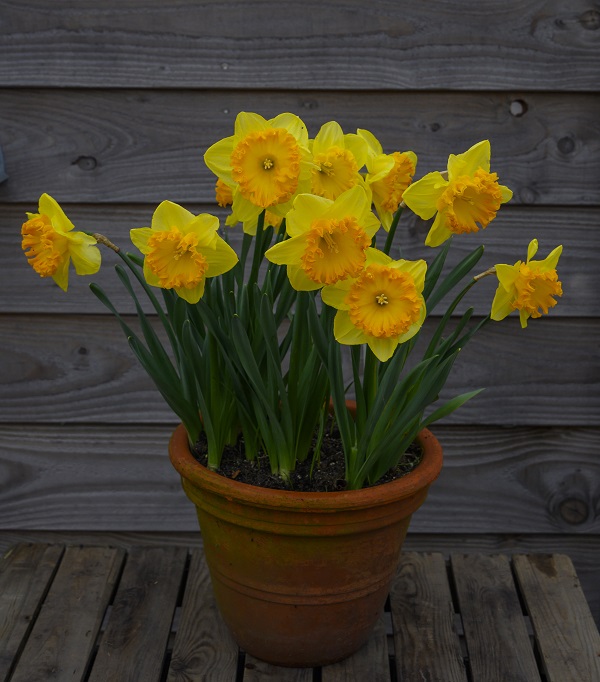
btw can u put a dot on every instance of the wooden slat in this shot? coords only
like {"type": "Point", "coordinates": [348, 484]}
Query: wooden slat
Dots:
{"type": "Point", "coordinates": [495, 631]}
{"type": "Point", "coordinates": [259, 671]}
{"type": "Point", "coordinates": [371, 662]}
{"type": "Point", "coordinates": [204, 650]}
{"type": "Point", "coordinates": [563, 625]}
{"type": "Point", "coordinates": [64, 633]}
{"type": "Point", "coordinates": [86, 364]}
{"type": "Point", "coordinates": [494, 480]}
{"type": "Point", "coordinates": [135, 641]}
{"type": "Point", "coordinates": [426, 643]}
{"type": "Point", "coordinates": [126, 146]}
{"type": "Point", "coordinates": [505, 241]}
{"type": "Point", "coordinates": [536, 45]}
{"type": "Point", "coordinates": [583, 549]}
{"type": "Point", "coordinates": [25, 574]}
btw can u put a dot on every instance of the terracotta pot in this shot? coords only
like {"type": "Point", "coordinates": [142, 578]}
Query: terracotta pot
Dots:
{"type": "Point", "coordinates": [301, 578]}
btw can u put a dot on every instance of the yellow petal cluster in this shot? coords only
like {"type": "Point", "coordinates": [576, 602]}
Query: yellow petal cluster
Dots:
{"type": "Point", "coordinates": [466, 199]}
{"type": "Point", "coordinates": [528, 287]}
{"type": "Point", "coordinates": [50, 243]}
{"type": "Point", "coordinates": [382, 307]}
{"type": "Point", "coordinates": [328, 239]}
{"type": "Point", "coordinates": [181, 250]}
{"type": "Point", "coordinates": [265, 163]}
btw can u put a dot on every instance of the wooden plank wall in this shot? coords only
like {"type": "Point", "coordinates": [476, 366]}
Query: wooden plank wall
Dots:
{"type": "Point", "coordinates": [109, 107]}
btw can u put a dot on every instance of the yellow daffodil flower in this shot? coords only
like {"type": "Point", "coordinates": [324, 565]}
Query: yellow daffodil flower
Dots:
{"type": "Point", "coordinates": [465, 201]}
{"type": "Point", "coordinates": [265, 163]}
{"type": "Point", "coordinates": [382, 307]}
{"type": "Point", "coordinates": [181, 250]}
{"type": "Point", "coordinates": [50, 242]}
{"type": "Point", "coordinates": [328, 239]}
{"type": "Point", "coordinates": [527, 287]}
{"type": "Point", "coordinates": [223, 194]}
{"type": "Point", "coordinates": [388, 177]}
{"type": "Point", "coordinates": [337, 159]}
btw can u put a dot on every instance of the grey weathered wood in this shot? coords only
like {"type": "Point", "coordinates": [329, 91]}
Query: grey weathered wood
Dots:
{"type": "Point", "coordinates": [495, 631]}
{"type": "Point", "coordinates": [563, 625]}
{"type": "Point", "coordinates": [256, 670]}
{"type": "Point", "coordinates": [86, 364]}
{"type": "Point", "coordinates": [505, 241]}
{"type": "Point", "coordinates": [371, 662]}
{"type": "Point", "coordinates": [497, 480]}
{"type": "Point", "coordinates": [204, 650]}
{"type": "Point", "coordinates": [426, 643]}
{"type": "Point", "coordinates": [537, 45]}
{"type": "Point", "coordinates": [25, 574]}
{"type": "Point", "coordinates": [124, 146]}
{"type": "Point", "coordinates": [134, 643]}
{"type": "Point", "coordinates": [63, 636]}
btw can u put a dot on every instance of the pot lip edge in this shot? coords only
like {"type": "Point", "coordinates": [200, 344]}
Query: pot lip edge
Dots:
{"type": "Point", "coordinates": [378, 495]}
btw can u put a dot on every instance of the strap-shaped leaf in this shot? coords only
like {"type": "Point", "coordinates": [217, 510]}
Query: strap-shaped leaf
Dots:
{"type": "Point", "coordinates": [454, 277]}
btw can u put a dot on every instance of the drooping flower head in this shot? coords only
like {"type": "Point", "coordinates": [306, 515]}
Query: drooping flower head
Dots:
{"type": "Point", "coordinates": [264, 163]}
{"type": "Point", "coordinates": [527, 287]}
{"type": "Point", "coordinates": [388, 177]}
{"type": "Point", "coordinates": [383, 306]}
{"type": "Point", "coordinates": [181, 250]}
{"type": "Point", "coordinates": [328, 239]}
{"type": "Point", "coordinates": [464, 201]}
{"type": "Point", "coordinates": [50, 243]}
{"type": "Point", "coordinates": [337, 159]}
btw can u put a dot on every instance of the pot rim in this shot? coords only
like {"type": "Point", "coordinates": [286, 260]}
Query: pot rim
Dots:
{"type": "Point", "coordinates": [198, 475]}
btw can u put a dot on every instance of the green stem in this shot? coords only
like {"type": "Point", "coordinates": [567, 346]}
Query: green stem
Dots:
{"type": "Point", "coordinates": [258, 249]}
{"type": "Point", "coordinates": [392, 232]}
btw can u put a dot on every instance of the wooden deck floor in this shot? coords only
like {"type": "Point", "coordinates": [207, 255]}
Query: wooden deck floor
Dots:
{"type": "Point", "coordinates": [104, 613]}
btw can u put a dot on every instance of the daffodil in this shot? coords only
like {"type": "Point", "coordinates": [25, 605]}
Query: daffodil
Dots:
{"type": "Point", "coordinates": [223, 194]}
{"type": "Point", "coordinates": [527, 287]}
{"type": "Point", "coordinates": [465, 201]}
{"type": "Point", "coordinates": [181, 250]}
{"type": "Point", "coordinates": [388, 176]}
{"type": "Point", "coordinates": [50, 243]}
{"type": "Point", "coordinates": [337, 159]}
{"type": "Point", "coordinates": [328, 239]}
{"type": "Point", "coordinates": [265, 163]}
{"type": "Point", "coordinates": [383, 306]}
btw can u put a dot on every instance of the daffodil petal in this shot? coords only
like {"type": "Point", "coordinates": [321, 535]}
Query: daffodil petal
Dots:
{"type": "Point", "coordinates": [149, 276]}
{"type": "Point", "coordinates": [293, 124]}
{"type": "Point", "coordinates": [287, 252]}
{"type": "Point", "coordinates": [330, 135]}
{"type": "Point", "coordinates": [299, 279]}
{"type": "Point", "coordinates": [61, 276]}
{"type": "Point", "coordinates": [523, 317]}
{"type": "Point", "coordinates": [345, 332]}
{"type": "Point", "coordinates": [248, 122]}
{"type": "Point", "coordinates": [218, 158]}
{"type": "Point", "coordinates": [507, 274]}
{"type": "Point", "coordinates": [85, 254]}
{"type": "Point", "coordinates": [383, 348]}
{"type": "Point", "coordinates": [168, 214]}
{"type": "Point", "coordinates": [421, 196]}
{"type": "Point", "coordinates": [192, 295]}
{"type": "Point", "coordinates": [373, 143]}
{"type": "Point", "coordinates": [221, 259]}
{"type": "Point", "coordinates": [139, 237]}
{"type": "Point", "coordinates": [358, 148]}
{"type": "Point", "coordinates": [50, 207]}
{"type": "Point", "coordinates": [377, 256]}
{"type": "Point", "coordinates": [415, 268]}
{"type": "Point", "coordinates": [334, 295]}
{"type": "Point", "coordinates": [551, 260]}
{"type": "Point", "coordinates": [307, 208]}
{"type": "Point", "coordinates": [205, 227]}
{"type": "Point", "coordinates": [353, 202]}
{"type": "Point", "coordinates": [439, 232]}
{"type": "Point", "coordinates": [502, 304]}
{"type": "Point", "coordinates": [507, 194]}
{"type": "Point", "coordinates": [478, 156]}
{"type": "Point", "coordinates": [532, 249]}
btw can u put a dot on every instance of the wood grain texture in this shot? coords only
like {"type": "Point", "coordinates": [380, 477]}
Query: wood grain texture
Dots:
{"type": "Point", "coordinates": [135, 640]}
{"type": "Point", "coordinates": [111, 146]}
{"type": "Point", "coordinates": [494, 480]}
{"type": "Point", "coordinates": [423, 621]}
{"type": "Point", "coordinates": [256, 670]}
{"type": "Point", "coordinates": [505, 241]}
{"type": "Point", "coordinates": [583, 550]}
{"type": "Point", "coordinates": [495, 631]}
{"type": "Point", "coordinates": [25, 575]}
{"type": "Point", "coordinates": [336, 45]}
{"type": "Point", "coordinates": [60, 649]}
{"type": "Point", "coordinates": [371, 662]}
{"type": "Point", "coordinates": [564, 629]}
{"type": "Point", "coordinates": [84, 362]}
{"type": "Point", "coordinates": [204, 650]}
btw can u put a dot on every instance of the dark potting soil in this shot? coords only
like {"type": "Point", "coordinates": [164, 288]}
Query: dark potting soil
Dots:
{"type": "Point", "coordinates": [327, 473]}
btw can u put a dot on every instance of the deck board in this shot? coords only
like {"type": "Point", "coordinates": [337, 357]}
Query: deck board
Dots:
{"type": "Point", "coordinates": [491, 611]}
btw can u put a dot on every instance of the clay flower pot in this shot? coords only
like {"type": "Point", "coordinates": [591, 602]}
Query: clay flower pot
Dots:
{"type": "Point", "coordinates": [301, 578]}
